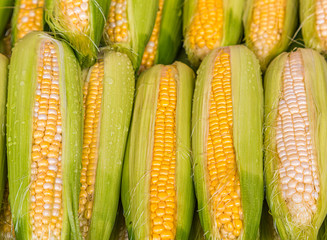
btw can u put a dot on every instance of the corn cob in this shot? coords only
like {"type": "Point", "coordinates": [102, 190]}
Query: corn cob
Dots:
{"type": "Point", "coordinates": [267, 227]}
{"type": "Point", "coordinates": [209, 24]}
{"type": "Point", "coordinates": [3, 98]}
{"type": "Point", "coordinates": [129, 26]}
{"type": "Point", "coordinates": [28, 17]}
{"type": "Point", "coordinates": [313, 16]}
{"type": "Point", "coordinates": [269, 27]}
{"type": "Point", "coordinates": [108, 108]}
{"type": "Point", "coordinates": [295, 132]}
{"type": "Point", "coordinates": [6, 226]}
{"type": "Point", "coordinates": [44, 138]}
{"type": "Point", "coordinates": [5, 13]}
{"type": "Point", "coordinates": [165, 40]}
{"type": "Point", "coordinates": [157, 190]}
{"type": "Point", "coordinates": [81, 23]}
{"type": "Point", "coordinates": [227, 142]}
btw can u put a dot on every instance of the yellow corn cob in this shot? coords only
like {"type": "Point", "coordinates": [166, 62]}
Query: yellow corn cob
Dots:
{"type": "Point", "coordinates": [6, 227]}
{"type": "Point", "coordinates": [108, 102]}
{"type": "Point", "coordinates": [79, 22]}
{"type": "Point", "coordinates": [47, 103]}
{"type": "Point", "coordinates": [269, 26]}
{"type": "Point", "coordinates": [228, 83]}
{"type": "Point", "coordinates": [143, 29]}
{"type": "Point", "coordinates": [159, 188]}
{"type": "Point", "coordinates": [296, 96]}
{"type": "Point", "coordinates": [209, 24]}
{"type": "Point", "coordinates": [28, 17]}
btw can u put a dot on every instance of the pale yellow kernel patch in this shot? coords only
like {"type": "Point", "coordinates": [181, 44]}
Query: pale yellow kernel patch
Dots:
{"type": "Point", "coordinates": [266, 25]}
{"type": "Point", "coordinates": [117, 27]}
{"type": "Point", "coordinates": [76, 13]}
{"type": "Point", "coordinates": [92, 106]}
{"type": "Point", "coordinates": [321, 21]}
{"type": "Point", "coordinates": [222, 170]}
{"type": "Point", "coordinates": [30, 17]}
{"type": "Point", "coordinates": [162, 186]}
{"type": "Point", "coordinates": [6, 225]}
{"type": "Point", "coordinates": [46, 210]}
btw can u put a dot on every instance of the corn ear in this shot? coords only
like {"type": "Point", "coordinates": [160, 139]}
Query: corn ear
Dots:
{"type": "Point", "coordinates": [298, 212]}
{"type": "Point", "coordinates": [165, 40]}
{"type": "Point", "coordinates": [36, 52]}
{"type": "Point", "coordinates": [106, 127]}
{"type": "Point", "coordinates": [27, 17]}
{"type": "Point", "coordinates": [6, 7]}
{"type": "Point", "coordinates": [312, 17]}
{"type": "Point", "coordinates": [236, 69]}
{"type": "Point", "coordinates": [144, 164]}
{"type": "Point", "coordinates": [224, 29]}
{"type": "Point", "coordinates": [85, 33]}
{"type": "Point", "coordinates": [139, 17]}
{"type": "Point", "coordinates": [269, 27]}
{"type": "Point", "coordinates": [3, 99]}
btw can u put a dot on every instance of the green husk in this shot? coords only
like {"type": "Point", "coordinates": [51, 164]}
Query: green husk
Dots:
{"type": "Point", "coordinates": [247, 99]}
{"type": "Point", "coordinates": [138, 158]}
{"type": "Point", "coordinates": [3, 99]}
{"type": "Point", "coordinates": [6, 7]}
{"type": "Point", "coordinates": [116, 111]}
{"type": "Point", "coordinates": [141, 16]}
{"type": "Point", "coordinates": [85, 43]}
{"type": "Point", "coordinates": [21, 94]}
{"type": "Point", "coordinates": [315, 75]}
{"type": "Point", "coordinates": [308, 23]}
{"type": "Point", "coordinates": [289, 27]}
{"type": "Point", "coordinates": [267, 227]}
{"type": "Point", "coordinates": [170, 38]}
{"type": "Point", "coordinates": [14, 21]}
{"type": "Point", "coordinates": [232, 29]}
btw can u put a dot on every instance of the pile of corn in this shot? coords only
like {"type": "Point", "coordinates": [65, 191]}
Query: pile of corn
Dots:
{"type": "Point", "coordinates": [163, 119]}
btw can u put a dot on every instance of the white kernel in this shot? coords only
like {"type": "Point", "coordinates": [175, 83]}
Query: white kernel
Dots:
{"type": "Point", "coordinates": [295, 163]}
{"type": "Point", "coordinates": [292, 183]}
{"type": "Point", "coordinates": [307, 179]}
{"type": "Point", "coordinates": [59, 129]}
{"type": "Point", "coordinates": [297, 197]}
{"type": "Point", "coordinates": [57, 137]}
{"type": "Point", "coordinates": [299, 177]}
{"type": "Point", "coordinates": [285, 180]}
{"type": "Point", "coordinates": [46, 213]}
{"type": "Point", "coordinates": [53, 168]}
{"type": "Point", "coordinates": [55, 213]}
{"type": "Point", "coordinates": [52, 161]}
{"type": "Point", "coordinates": [77, 10]}
{"type": "Point", "coordinates": [58, 180]}
{"type": "Point", "coordinates": [300, 187]}
{"type": "Point", "coordinates": [33, 199]}
{"type": "Point", "coordinates": [25, 19]}
{"type": "Point", "coordinates": [47, 206]}
{"type": "Point", "coordinates": [46, 76]}
{"type": "Point", "coordinates": [42, 117]}
{"type": "Point", "coordinates": [299, 169]}
{"type": "Point", "coordinates": [84, 6]}
{"type": "Point", "coordinates": [290, 192]}
{"type": "Point", "coordinates": [48, 185]}
{"type": "Point", "coordinates": [291, 173]}
{"type": "Point", "coordinates": [58, 187]}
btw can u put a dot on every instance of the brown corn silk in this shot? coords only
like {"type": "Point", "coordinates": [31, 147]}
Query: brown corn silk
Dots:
{"type": "Point", "coordinates": [299, 177]}
{"type": "Point", "coordinates": [221, 164]}
{"type": "Point", "coordinates": [151, 48]}
{"type": "Point", "coordinates": [46, 173]}
{"type": "Point", "coordinates": [76, 13]}
{"type": "Point", "coordinates": [92, 102]}
{"type": "Point", "coordinates": [205, 31]}
{"type": "Point", "coordinates": [117, 27]}
{"type": "Point", "coordinates": [30, 17]}
{"type": "Point", "coordinates": [162, 186]}
{"type": "Point", "coordinates": [6, 226]}
{"type": "Point", "coordinates": [267, 25]}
